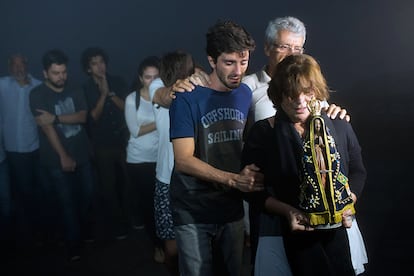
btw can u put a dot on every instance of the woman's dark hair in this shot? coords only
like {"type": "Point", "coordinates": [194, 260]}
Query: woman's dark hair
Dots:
{"type": "Point", "coordinates": [150, 61]}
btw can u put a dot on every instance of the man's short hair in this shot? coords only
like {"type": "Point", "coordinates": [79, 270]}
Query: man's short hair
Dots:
{"type": "Point", "coordinates": [289, 23]}
{"type": "Point", "coordinates": [90, 53]}
{"type": "Point", "coordinates": [54, 56]}
{"type": "Point", "coordinates": [228, 37]}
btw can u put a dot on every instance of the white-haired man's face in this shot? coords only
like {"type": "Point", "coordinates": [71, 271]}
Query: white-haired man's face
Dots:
{"type": "Point", "coordinates": [286, 44]}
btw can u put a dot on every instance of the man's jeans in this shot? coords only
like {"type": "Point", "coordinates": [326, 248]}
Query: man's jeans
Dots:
{"type": "Point", "coordinates": [111, 187]}
{"type": "Point", "coordinates": [5, 202]}
{"type": "Point", "coordinates": [26, 191]}
{"type": "Point", "coordinates": [72, 192]}
{"type": "Point", "coordinates": [210, 249]}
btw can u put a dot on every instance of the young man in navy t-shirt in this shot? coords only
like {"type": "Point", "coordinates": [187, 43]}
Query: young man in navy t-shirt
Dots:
{"type": "Point", "coordinates": [206, 131]}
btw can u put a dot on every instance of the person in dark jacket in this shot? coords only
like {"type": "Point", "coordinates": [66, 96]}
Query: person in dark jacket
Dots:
{"type": "Point", "coordinates": [313, 213]}
{"type": "Point", "coordinates": [105, 95]}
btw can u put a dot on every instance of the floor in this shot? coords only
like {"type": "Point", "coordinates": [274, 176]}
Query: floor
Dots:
{"type": "Point", "coordinates": [384, 217]}
{"type": "Point", "coordinates": [131, 256]}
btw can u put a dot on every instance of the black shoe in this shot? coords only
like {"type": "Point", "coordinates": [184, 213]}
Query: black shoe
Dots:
{"type": "Point", "coordinates": [89, 238]}
{"type": "Point", "coordinates": [121, 233]}
{"type": "Point", "coordinates": [74, 250]}
{"type": "Point", "coordinates": [121, 236]}
{"type": "Point", "coordinates": [74, 258]}
{"type": "Point", "coordinates": [138, 227]}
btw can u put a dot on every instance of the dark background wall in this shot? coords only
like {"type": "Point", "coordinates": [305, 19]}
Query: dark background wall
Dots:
{"type": "Point", "coordinates": [364, 48]}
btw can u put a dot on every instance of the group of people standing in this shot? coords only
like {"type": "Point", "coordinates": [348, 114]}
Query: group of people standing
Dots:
{"type": "Point", "coordinates": [68, 157]}
{"type": "Point", "coordinates": [193, 148]}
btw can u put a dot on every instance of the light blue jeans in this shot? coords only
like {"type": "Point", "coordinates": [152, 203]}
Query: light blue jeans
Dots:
{"type": "Point", "coordinates": [271, 257]}
{"type": "Point", "coordinates": [210, 249]}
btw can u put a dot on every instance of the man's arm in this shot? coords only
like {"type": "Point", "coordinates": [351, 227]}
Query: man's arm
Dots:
{"type": "Point", "coordinates": [162, 97]}
{"type": "Point", "coordinates": [103, 87]}
{"type": "Point", "coordinates": [74, 118]}
{"type": "Point", "coordinates": [188, 84]}
{"type": "Point", "coordinates": [66, 162]}
{"type": "Point", "coordinates": [248, 180]}
{"type": "Point", "coordinates": [105, 92]}
{"type": "Point", "coordinates": [96, 112]}
{"type": "Point", "coordinates": [120, 103]}
{"type": "Point", "coordinates": [119, 93]}
{"type": "Point", "coordinates": [45, 118]}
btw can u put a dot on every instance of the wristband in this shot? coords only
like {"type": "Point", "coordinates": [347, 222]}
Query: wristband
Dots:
{"type": "Point", "coordinates": [56, 120]}
{"type": "Point", "coordinates": [111, 94]}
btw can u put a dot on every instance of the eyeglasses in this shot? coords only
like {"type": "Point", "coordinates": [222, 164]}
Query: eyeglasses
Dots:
{"type": "Point", "coordinates": [284, 48]}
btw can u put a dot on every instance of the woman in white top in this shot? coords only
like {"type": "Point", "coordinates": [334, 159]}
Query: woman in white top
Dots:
{"type": "Point", "coordinates": [142, 149]}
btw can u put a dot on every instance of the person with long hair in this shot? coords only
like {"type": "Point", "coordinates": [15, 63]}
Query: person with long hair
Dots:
{"type": "Point", "coordinates": [174, 65]}
{"type": "Point", "coordinates": [142, 149]}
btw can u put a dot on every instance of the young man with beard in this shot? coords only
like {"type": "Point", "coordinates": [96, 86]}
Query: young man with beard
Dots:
{"type": "Point", "coordinates": [60, 112]}
{"type": "Point", "coordinates": [206, 133]}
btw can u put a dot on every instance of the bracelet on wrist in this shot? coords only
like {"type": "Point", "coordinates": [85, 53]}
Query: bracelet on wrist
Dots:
{"type": "Point", "coordinates": [56, 120]}
{"type": "Point", "coordinates": [111, 94]}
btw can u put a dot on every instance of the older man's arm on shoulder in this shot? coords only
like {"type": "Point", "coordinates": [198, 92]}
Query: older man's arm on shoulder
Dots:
{"type": "Point", "coordinates": [159, 93]}
{"type": "Point", "coordinates": [188, 84]}
{"type": "Point", "coordinates": [333, 110]}
{"type": "Point", "coordinates": [162, 97]}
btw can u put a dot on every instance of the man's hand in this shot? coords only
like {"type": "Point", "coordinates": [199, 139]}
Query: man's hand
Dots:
{"type": "Point", "coordinates": [188, 84]}
{"type": "Point", "coordinates": [333, 110]}
{"type": "Point", "coordinates": [44, 118]}
{"type": "Point", "coordinates": [200, 78]}
{"type": "Point", "coordinates": [67, 163]}
{"type": "Point", "coordinates": [103, 86]}
{"type": "Point", "coordinates": [248, 180]}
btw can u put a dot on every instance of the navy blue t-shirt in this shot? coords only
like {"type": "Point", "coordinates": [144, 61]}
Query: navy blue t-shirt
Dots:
{"type": "Point", "coordinates": [216, 121]}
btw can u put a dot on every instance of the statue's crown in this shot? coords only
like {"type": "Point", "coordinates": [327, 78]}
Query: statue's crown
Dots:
{"type": "Point", "coordinates": [314, 107]}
